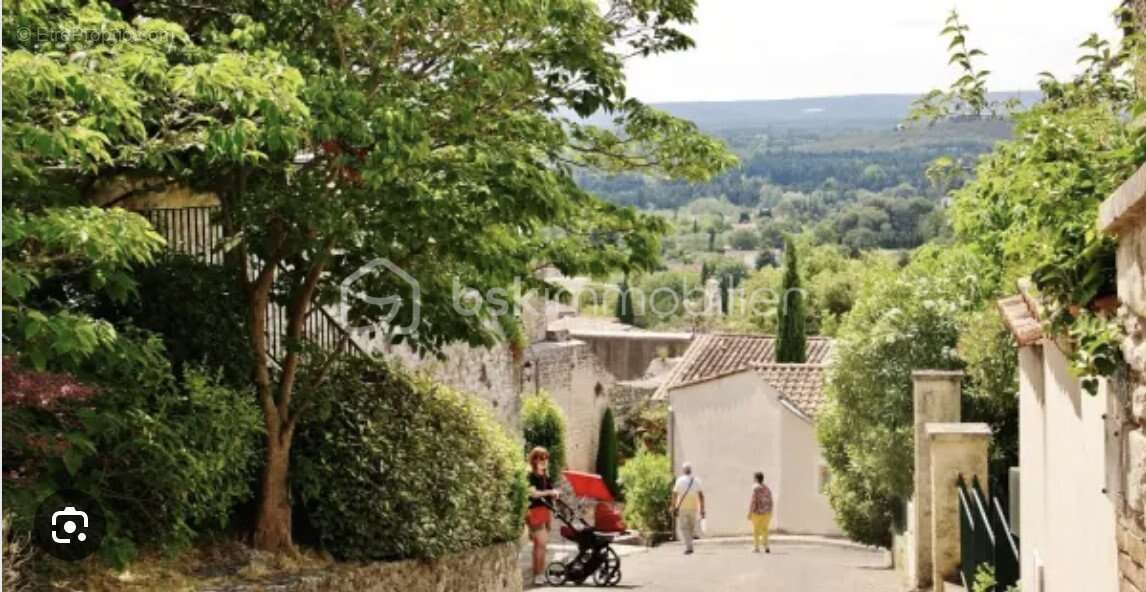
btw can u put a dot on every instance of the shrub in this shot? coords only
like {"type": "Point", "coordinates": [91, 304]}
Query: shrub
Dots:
{"type": "Point", "coordinates": [645, 426]}
{"type": "Point", "coordinates": [167, 458]}
{"type": "Point", "coordinates": [391, 465]}
{"type": "Point", "coordinates": [647, 480]}
{"type": "Point", "coordinates": [607, 452]}
{"type": "Point", "coordinates": [198, 310]}
{"type": "Point", "coordinates": [543, 424]}
{"type": "Point", "coordinates": [745, 240]}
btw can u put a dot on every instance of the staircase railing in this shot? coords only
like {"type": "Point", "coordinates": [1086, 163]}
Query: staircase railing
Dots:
{"type": "Point", "coordinates": [192, 231]}
{"type": "Point", "coordinates": [985, 537]}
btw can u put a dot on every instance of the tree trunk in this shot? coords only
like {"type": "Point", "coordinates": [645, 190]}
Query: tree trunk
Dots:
{"type": "Point", "coordinates": [273, 526]}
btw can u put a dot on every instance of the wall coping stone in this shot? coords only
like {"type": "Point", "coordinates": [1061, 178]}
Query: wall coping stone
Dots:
{"type": "Point", "coordinates": [956, 430]}
{"type": "Point", "coordinates": [1125, 206]}
{"type": "Point", "coordinates": [936, 374]}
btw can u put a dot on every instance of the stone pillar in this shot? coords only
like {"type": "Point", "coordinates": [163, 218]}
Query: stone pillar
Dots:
{"type": "Point", "coordinates": [936, 394]}
{"type": "Point", "coordinates": [956, 449]}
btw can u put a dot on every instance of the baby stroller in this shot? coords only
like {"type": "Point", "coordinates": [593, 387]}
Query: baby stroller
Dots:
{"type": "Point", "coordinates": [595, 556]}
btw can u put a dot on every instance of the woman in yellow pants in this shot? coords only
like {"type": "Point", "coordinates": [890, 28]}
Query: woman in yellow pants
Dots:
{"type": "Point", "coordinates": [760, 513]}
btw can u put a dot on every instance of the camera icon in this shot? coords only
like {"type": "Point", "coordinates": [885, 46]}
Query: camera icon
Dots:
{"type": "Point", "coordinates": [66, 520]}
{"type": "Point", "coordinates": [69, 525]}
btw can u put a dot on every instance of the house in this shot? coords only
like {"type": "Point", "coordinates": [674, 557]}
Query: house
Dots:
{"type": "Point", "coordinates": [733, 411]}
{"type": "Point", "coordinates": [1082, 457]}
{"type": "Point", "coordinates": [1064, 447]}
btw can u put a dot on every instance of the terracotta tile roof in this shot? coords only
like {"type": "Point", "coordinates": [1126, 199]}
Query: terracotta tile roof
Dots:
{"type": "Point", "coordinates": [1019, 315]}
{"type": "Point", "coordinates": [802, 385]}
{"type": "Point", "coordinates": [715, 355]}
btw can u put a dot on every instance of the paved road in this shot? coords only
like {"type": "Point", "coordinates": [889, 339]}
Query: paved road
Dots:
{"type": "Point", "coordinates": [796, 566]}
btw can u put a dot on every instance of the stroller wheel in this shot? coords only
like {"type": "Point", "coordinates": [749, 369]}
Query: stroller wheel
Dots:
{"type": "Point", "coordinates": [609, 574]}
{"type": "Point", "coordinates": [555, 574]}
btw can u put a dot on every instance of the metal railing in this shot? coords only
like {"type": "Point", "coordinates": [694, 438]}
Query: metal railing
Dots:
{"type": "Point", "coordinates": [194, 232]}
{"type": "Point", "coordinates": [985, 537]}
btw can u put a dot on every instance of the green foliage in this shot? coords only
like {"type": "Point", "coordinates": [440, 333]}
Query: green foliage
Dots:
{"type": "Point", "coordinates": [967, 96]}
{"type": "Point", "coordinates": [1033, 203]}
{"type": "Point", "coordinates": [607, 455]}
{"type": "Point", "coordinates": [831, 279]}
{"type": "Point", "coordinates": [791, 345]}
{"type": "Point", "coordinates": [394, 466]}
{"type": "Point", "coordinates": [744, 240]}
{"type": "Point", "coordinates": [439, 135]}
{"type": "Point", "coordinates": [167, 458]}
{"type": "Point", "coordinates": [902, 321]}
{"type": "Point", "coordinates": [543, 424]}
{"type": "Point", "coordinates": [79, 250]}
{"type": "Point", "coordinates": [647, 480]}
{"type": "Point", "coordinates": [645, 428]}
{"type": "Point", "coordinates": [667, 298]}
{"type": "Point", "coordinates": [209, 329]}
{"type": "Point", "coordinates": [984, 579]}
{"type": "Point", "coordinates": [987, 347]}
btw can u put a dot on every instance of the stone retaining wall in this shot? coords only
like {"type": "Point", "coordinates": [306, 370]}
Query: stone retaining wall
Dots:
{"type": "Point", "coordinates": [1124, 216]}
{"type": "Point", "coordinates": [491, 569]}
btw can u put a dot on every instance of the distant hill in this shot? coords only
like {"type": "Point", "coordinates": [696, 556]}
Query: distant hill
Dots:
{"type": "Point", "coordinates": [854, 111]}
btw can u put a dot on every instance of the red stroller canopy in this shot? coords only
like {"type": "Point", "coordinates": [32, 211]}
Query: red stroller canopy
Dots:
{"type": "Point", "coordinates": [588, 485]}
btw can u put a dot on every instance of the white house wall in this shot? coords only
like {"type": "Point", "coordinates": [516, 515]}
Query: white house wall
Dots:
{"type": "Point", "coordinates": [731, 427]}
{"type": "Point", "coordinates": [801, 507]}
{"type": "Point", "coordinates": [1067, 524]}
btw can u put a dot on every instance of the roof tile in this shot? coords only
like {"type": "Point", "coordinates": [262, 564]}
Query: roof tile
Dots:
{"type": "Point", "coordinates": [714, 355]}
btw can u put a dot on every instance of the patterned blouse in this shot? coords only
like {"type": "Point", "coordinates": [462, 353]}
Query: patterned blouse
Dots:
{"type": "Point", "coordinates": [761, 499]}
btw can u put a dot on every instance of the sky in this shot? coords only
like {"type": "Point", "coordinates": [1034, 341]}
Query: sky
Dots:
{"type": "Point", "coordinates": [777, 49]}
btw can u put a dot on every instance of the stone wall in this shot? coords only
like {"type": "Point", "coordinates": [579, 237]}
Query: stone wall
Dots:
{"type": "Point", "coordinates": [1124, 216]}
{"type": "Point", "coordinates": [491, 569]}
{"type": "Point", "coordinates": [626, 397]}
{"type": "Point", "coordinates": [579, 384]}
{"type": "Point", "coordinates": [626, 354]}
{"type": "Point", "coordinates": [490, 374]}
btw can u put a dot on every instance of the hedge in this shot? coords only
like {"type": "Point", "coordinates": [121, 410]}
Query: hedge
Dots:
{"type": "Point", "coordinates": [390, 465]}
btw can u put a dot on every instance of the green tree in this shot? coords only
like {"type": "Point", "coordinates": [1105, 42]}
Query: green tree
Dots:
{"type": "Point", "coordinates": [903, 320]}
{"type": "Point", "coordinates": [791, 342]}
{"type": "Point", "coordinates": [744, 240]}
{"type": "Point", "coordinates": [1032, 204]}
{"type": "Point", "coordinates": [433, 134]}
{"type": "Point", "coordinates": [607, 452]}
{"type": "Point", "coordinates": [543, 424]}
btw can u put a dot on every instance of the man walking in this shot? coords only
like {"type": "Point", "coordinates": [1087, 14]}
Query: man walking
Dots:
{"type": "Point", "coordinates": [688, 505]}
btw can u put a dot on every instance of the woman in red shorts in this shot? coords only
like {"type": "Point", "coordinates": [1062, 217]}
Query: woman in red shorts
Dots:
{"type": "Point", "coordinates": [540, 487]}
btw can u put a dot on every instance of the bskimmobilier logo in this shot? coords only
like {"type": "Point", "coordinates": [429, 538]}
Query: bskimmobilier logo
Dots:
{"type": "Point", "coordinates": [391, 304]}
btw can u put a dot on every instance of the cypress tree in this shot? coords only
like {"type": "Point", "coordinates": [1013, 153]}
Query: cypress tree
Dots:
{"type": "Point", "coordinates": [790, 346]}
{"type": "Point", "coordinates": [607, 452]}
{"type": "Point", "coordinates": [625, 312]}
{"type": "Point", "coordinates": [725, 289]}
